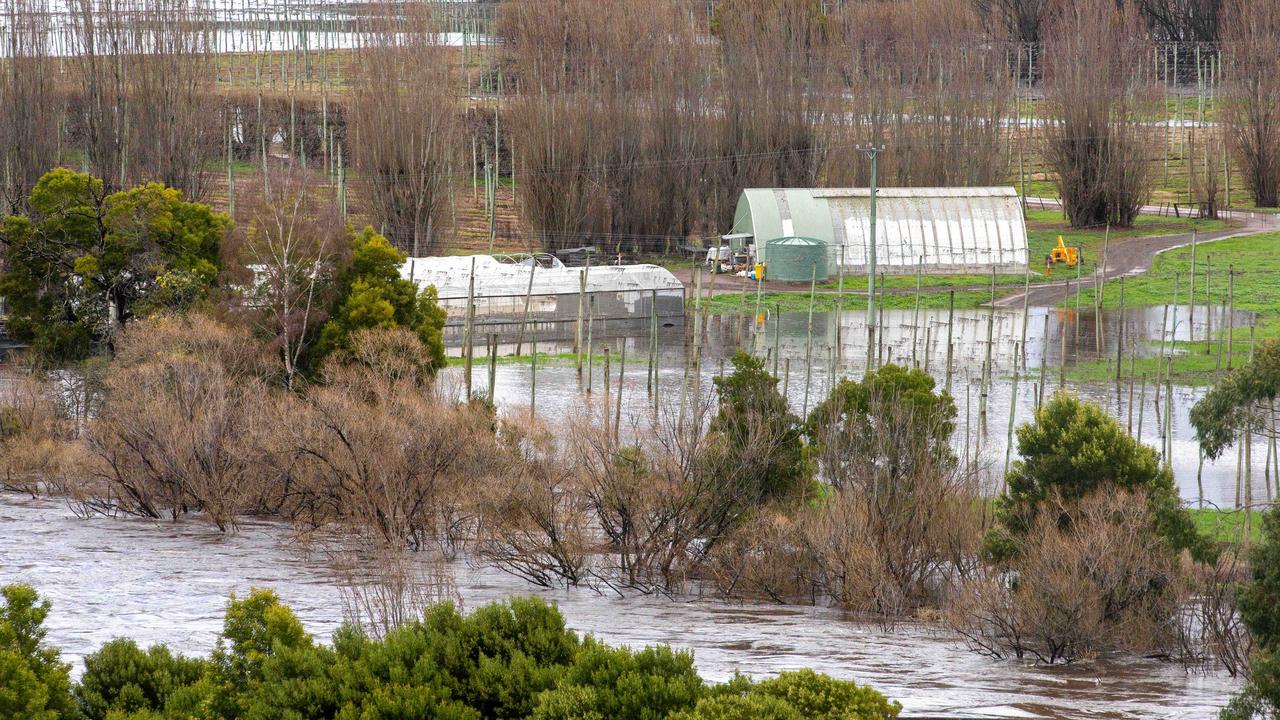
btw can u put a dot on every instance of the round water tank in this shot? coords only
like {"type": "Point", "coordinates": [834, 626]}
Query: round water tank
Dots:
{"type": "Point", "coordinates": [796, 259]}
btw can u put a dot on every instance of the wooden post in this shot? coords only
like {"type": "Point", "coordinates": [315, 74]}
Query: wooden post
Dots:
{"type": "Point", "coordinates": [808, 342]}
{"type": "Point", "coordinates": [1119, 333]}
{"type": "Point", "coordinates": [1231, 311]}
{"type": "Point", "coordinates": [951, 316]}
{"type": "Point", "coordinates": [468, 332]}
{"type": "Point", "coordinates": [528, 296]}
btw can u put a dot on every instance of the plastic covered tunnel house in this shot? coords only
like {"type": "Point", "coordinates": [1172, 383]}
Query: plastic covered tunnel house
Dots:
{"type": "Point", "coordinates": [505, 285]}
{"type": "Point", "coordinates": [942, 231]}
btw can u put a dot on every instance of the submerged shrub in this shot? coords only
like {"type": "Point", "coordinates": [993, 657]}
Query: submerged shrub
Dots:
{"type": "Point", "coordinates": [1071, 450]}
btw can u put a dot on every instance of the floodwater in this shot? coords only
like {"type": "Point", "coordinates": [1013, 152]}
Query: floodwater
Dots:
{"type": "Point", "coordinates": [1054, 339]}
{"type": "Point", "coordinates": [168, 582]}
{"type": "Point", "coordinates": [157, 581]}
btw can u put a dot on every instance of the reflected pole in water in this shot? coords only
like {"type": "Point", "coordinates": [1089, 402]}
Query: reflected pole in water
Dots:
{"type": "Point", "coordinates": [1208, 304]}
{"type": "Point", "coordinates": [1142, 405]}
{"type": "Point", "coordinates": [533, 379]}
{"type": "Point", "coordinates": [1119, 335]}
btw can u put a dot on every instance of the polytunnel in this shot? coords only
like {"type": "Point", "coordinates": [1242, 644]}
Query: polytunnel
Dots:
{"type": "Point", "coordinates": [939, 231]}
{"type": "Point", "coordinates": [552, 292]}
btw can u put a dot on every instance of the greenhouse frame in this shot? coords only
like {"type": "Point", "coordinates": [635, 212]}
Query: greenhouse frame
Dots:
{"type": "Point", "coordinates": [940, 231]}
{"type": "Point", "coordinates": [504, 286]}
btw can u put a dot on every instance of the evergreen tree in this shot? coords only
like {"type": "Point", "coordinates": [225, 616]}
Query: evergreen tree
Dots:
{"type": "Point", "coordinates": [372, 294]}
{"type": "Point", "coordinates": [83, 262]}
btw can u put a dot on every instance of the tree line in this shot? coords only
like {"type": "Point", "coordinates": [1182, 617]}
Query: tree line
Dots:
{"type": "Point", "coordinates": [638, 127]}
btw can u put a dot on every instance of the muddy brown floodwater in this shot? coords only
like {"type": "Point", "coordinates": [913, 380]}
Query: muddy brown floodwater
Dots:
{"type": "Point", "coordinates": [168, 582]}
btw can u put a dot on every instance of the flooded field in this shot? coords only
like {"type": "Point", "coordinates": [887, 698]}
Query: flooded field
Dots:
{"type": "Point", "coordinates": [1055, 340]}
{"type": "Point", "coordinates": [157, 581]}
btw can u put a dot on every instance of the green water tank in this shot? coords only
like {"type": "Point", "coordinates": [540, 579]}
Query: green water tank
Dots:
{"type": "Point", "coordinates": [795, 259]}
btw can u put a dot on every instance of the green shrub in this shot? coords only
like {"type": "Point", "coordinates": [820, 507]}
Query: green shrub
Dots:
{"type": "Point", "coordinates": [124, 679]}
{"type": "Point", "coordinates": [821, 697]}
{"type": "Point", "coordinates": [620, 684]}
{"type": "Point", "coordinates": [741, 707]}
{"type": "Point", "coordinates": [1072, 449]}
{"type": "Point", "coordinates": [34, 682]}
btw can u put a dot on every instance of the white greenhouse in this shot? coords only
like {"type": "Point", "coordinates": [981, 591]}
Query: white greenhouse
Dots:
{"type": "Point", "coordinates": [940, 230]}
{"type": "Point", "coordinates": [504, 285]}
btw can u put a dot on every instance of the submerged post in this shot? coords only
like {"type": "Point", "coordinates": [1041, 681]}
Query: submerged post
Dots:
{"type": "Point", "coordinates": [873, 152]}
{"type": "Point", "coordinates": [951, 316]}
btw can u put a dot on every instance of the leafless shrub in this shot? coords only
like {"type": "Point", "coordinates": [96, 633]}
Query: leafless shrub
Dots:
{"type": "Point", "coordinates": [384, 586]}
{"type": "Point", "coordinates": [178, 430]}
{"type": "Point", "coordinates": [406, 125]}
{"type": "Point", "coordinates": [1210, 631]}
{"type": "Point", "coordinates": [1104, 583]}
{"type": "Point", "coordinates": [663, 503]}
{"type": "Point", "coordinates": [1251, 101]}
{"type": "Point", "coordinates": [535, 522]}
{"type": "Point", "coordinates": [37, 448]}
{"type": "Point", "coordinates": [384, 454]}
{"type": "Point", "coordinates": [1097, 104]}
{"type": "Point", "coordinates": [887, 553]}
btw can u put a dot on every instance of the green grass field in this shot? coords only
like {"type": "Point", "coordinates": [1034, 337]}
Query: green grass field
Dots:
{"type": "Point", "coordinates": [1256, 263]}
{"type": "Point", "coordinates": [1227, 526]}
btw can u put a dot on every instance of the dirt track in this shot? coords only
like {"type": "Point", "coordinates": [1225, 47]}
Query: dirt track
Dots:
{"type": "Point", "coordinates": [1135, 255]}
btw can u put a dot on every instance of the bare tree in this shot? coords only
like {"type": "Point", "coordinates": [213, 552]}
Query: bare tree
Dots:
{"type": "Point", "coordinates": [382, 453]}
{"type": "Point", "coordinates": [146, 73]}
{"type": "Point", "coordinates": [292, 245]}
{"type": "Point", "coordinates": [1097, 105]}
{"type": "Point", "coordinates": [406, 125]}
{"type": "Point", "coordinates": [1251, 101]}
{"type": "Point", "coordinates": [29, 103]}
{"type": "Point", "coordinates": [535, 521]}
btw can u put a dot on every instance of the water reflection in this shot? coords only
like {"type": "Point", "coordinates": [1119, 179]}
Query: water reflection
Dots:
{"type": "Point", "coordinates": [1055, 339]}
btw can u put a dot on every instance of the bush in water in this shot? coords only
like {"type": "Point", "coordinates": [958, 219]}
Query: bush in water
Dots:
{"type": "Point", "coordinates": [513, 659]}
{"type": "Point", "coordinates": [1071, 450]}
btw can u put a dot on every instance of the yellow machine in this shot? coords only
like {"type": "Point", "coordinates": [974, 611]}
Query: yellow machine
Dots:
{"type": "Point", "coordinates": [1069, 256]}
